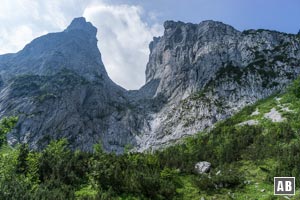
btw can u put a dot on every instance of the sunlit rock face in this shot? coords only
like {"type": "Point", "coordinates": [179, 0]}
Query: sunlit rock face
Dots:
{"type": "Point", "coordinates": [197, 74]}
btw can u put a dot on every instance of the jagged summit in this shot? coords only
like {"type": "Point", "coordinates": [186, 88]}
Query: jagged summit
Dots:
{"type": "Point", "coordinates": [208, 24]}
{"type": "Point", "coordinates": [172, 24]}
{"type": "Point", "coordinates": [73, 49]}
{"type": "Point", "coordinates": [80, 23]}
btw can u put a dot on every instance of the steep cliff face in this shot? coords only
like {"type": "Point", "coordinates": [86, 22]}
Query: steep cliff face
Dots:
{"type": "Point", "coordinates": [188, 55]}
{"type": "Point", "coordinates": [209, 71]}
{"type": "Point", "coordinates": [197, 74]}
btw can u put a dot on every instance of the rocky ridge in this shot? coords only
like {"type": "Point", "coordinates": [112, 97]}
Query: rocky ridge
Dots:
{"type": "Point", "coordinates": [197, 74]}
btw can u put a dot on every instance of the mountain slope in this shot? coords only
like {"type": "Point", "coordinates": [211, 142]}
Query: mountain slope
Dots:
{"type": "Point", "coordinates": [197, 75]}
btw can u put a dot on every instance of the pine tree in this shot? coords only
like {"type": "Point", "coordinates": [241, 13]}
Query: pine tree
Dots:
{"type": "Point", "coordinates": [22, 165]}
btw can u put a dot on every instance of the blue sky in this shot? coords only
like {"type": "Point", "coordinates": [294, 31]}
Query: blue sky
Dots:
{"type": "Point", "coordinates": [125, 27]}
{"type": "Point", "coordinates": [282, 15]}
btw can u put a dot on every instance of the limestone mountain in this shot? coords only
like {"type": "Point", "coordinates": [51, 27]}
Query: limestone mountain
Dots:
{"type": "Point", "coordinates": [58, 87]}
{"type": "Point", "coordinates": [206, 72]}
{"type": "Point", "coordinates": [197, 74]}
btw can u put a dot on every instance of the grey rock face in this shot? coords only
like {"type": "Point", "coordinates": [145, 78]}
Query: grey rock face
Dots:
{"type": "Point", "coordinates": [59, 88]}
{"type": "Point", "coordinates": [197, 74]}
{"type": "Point", "coordinates": [82, 25]}
{"type": "Point", "coordinates": [202, 167]}
{"type": "Point", "coordinates": [209, 71]}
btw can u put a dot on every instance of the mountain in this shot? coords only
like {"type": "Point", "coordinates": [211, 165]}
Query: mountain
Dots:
{"type": "Point", "coordinates": [206, 72]}
{"type": "Point", "coordinates": [58, 87]}
{"type": "Point", "coordinates": [197, 75]}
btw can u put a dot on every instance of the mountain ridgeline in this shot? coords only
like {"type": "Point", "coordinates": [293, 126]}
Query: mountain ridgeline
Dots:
{"type": "Point", "coordinates": [197, 75]}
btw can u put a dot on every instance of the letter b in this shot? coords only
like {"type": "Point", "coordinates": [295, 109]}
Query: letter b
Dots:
{"type": "Point", "coordinates": [288, 186]}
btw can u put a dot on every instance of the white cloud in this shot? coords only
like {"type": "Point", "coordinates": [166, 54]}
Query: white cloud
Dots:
{"type": "Point", "coordinates": [123, 41]}
{"type": "Point", "coordinates": [15, 38]}
{"type": "Point", "coordinates": [123, 36]}
{"type": "Point", "coordinates": [23, 20]}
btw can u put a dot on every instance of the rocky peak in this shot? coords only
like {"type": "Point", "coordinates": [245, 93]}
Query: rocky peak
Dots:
{"type": "Point", "coordinates": [188, 55]}
{"type": "Point", "coordinates": [81, 24]}
{"type": "Point", "coordinates": [205, 27]}
{"type": "Point", "coordinates": [183, 46]}
{"type": "Point", "coordinates": [170, 24]}
{"type": "Point", "coordinates": [74, 49]}
{"type": "Point", "coordinates": [197, 66]}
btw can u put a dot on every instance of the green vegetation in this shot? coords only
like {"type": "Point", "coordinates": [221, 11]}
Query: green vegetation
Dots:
{"type": "Point", "coordinates": [230, 71]}
{"type": "Point", "coordinates": [244, 161]}
{"type": "Point", "coordinates": [43, 88]}
{"type": "Point", "coordinates": [6, 124]}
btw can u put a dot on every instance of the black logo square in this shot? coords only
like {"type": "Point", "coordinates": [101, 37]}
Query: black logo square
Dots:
{"type": "Point", "coordinates": [284, 185]}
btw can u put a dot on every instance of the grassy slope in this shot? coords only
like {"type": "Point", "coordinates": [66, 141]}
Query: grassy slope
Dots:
{"type": "Point", "coordinates": [256, 184]}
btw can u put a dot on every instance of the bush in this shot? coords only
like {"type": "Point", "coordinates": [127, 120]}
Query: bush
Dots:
{"type": "Point", "coordinates": [228, 177]}
{"type": "Point", "coordinates": [295, 88]}
{"type": "Point", "coordinates": [6, 125]}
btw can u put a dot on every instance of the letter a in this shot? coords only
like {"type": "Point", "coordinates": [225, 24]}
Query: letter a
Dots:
{"type": "Point", "coordinates": [280, 186]}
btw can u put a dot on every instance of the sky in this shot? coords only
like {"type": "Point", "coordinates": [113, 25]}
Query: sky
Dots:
{"type": "Point", "coordinates": [126, 27]}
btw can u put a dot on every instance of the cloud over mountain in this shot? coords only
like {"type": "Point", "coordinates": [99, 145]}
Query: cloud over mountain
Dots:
{"type": "Point", "coordinates": [124, 35]}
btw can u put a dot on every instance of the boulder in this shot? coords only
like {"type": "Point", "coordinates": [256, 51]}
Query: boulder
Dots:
{"type": "Point", "coordinates": [202, 167]}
